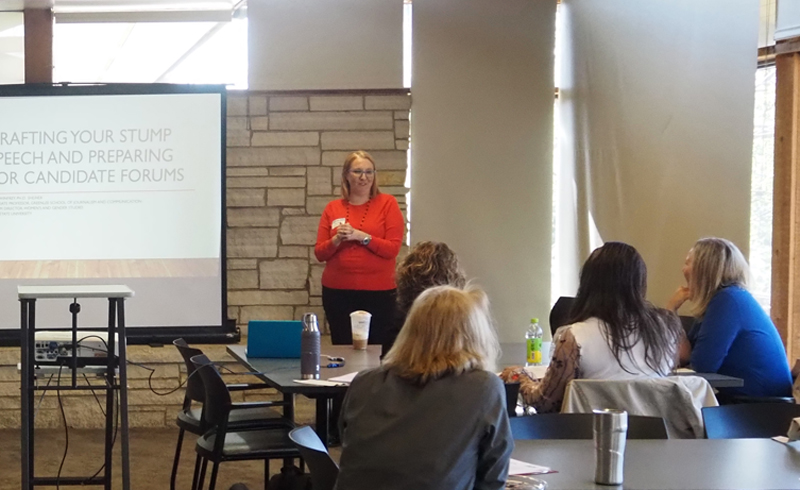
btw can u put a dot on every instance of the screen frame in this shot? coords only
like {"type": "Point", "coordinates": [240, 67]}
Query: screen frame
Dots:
{"type": "Point", "coordinates": [226, 331]}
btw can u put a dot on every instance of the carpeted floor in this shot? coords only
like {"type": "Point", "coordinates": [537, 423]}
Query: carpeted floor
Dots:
{"type": "Point", "coordinates": [152, 452]}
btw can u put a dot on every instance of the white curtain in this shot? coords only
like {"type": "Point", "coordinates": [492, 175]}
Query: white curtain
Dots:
{"type": "Point", "coordinates": [656, 110]}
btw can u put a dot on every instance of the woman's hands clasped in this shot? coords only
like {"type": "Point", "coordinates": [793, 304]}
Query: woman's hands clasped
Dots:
{"type": "Point", "coordinates": [345, 232]}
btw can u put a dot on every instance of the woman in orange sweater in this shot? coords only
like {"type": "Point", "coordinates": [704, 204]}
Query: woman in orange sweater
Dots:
{"type": "Point", "coordinates": [359, 237]}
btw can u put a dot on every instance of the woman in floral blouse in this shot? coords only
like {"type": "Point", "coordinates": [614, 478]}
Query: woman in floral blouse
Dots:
{"type": "Point", "coordinates": [614, 332]}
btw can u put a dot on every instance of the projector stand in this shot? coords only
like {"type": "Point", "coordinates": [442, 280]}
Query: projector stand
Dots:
{"type": "Point", "coordinates": [116, 325]}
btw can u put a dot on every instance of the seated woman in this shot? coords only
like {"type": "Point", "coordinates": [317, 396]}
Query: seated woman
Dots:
{"type": "Point", "coordinates": [434, 415]}
{"type": "Point", "coordinates": [732, 334]}
{"type": "Point", "coordinates": [428, 264]}
{"type": "Point", "coordinates": [615, 333]}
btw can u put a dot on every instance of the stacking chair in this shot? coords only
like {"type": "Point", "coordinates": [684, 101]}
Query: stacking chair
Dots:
{"type": "Point", "coordinates": [221, 442]}
{"type": "Point", "coordinates": [579, 426]}
{"type": "Point", "coordinates": [254, 414]}
{"type": "Point", "coordinates": [560, 313]}
{"type": "Point", "coordinates": [749, 420]}
{"type": "Point", "coordinates": [512, 395]}
{"type": "Point", "coordinates": [323, 469]}
{"type": "Point", "coordinates": [676, 399]}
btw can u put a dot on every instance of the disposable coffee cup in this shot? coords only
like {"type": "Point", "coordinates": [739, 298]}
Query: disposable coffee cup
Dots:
{"type": "Point", "coordinates": [359, 321]}
{"type": "Point", "coordinates": [610, 430]}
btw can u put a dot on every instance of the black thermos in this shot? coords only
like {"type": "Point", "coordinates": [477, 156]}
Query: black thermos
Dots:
{"type": "Point", "coordinates": [309, 348]}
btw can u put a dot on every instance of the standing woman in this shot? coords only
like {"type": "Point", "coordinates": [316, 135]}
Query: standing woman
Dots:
{"type": "Point", "coordinates": [359, 238]}
{"type": "Point", "coordinates": [732, 334]}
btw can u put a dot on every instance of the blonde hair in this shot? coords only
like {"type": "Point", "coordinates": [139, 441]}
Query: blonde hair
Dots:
{"type": "Point", "coordinates": [447, 331]}
{"type": "Point", "coordinates": [348, 162]}
{"type": "Point", "coordinates": [716, 263]}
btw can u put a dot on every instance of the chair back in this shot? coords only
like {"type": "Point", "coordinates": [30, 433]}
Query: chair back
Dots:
{"type": "Point", "coordinates": [749, 420]}
{"type": "Point", "coordinates": [676, 399]}
{"type": "Point", "coordinates": [323, 469]}
{"type": "Point", "coordinates": [217, 404]}
{"type": "Point", "coordinates": [512, 393]}
{"type": "Point", "coordinates": [194, 385]}
{"type": "Point", "coordinates": [580, 426]}
{"type": "Point", "coordinates": [561, 312]}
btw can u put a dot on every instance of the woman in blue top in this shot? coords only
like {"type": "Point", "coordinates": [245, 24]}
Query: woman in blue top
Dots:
{"type": "Point", "coordinates": [732, 334]}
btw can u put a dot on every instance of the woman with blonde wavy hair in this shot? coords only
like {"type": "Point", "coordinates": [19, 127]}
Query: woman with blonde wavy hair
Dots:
{"type": "Point", "coordinates": [732, 334]}
{"type": "Point", "coordinates": [427, 264]}
{"type": "Point", "coordinates": [433, 416]}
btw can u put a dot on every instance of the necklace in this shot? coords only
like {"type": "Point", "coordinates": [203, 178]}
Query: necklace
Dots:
{"type": "Point", "coordinates": [363, 217]}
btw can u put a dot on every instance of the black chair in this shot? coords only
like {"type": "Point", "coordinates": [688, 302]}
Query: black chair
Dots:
{"type": "Point", "coordinates": [687, 322]}
{"type": "Point", "coordinates": [512, 394]}
{"type": "Point", "coordinates": [749, 420]}
{"type": "Point", "coordinates": [258, 414]}
{"type": "Point", "coordinates": [561, 313]}
{"type": "Point", "coordinates": [579, 426]}
{"type": "Point", "coordinates": [323, 469]}
{"type": "Point", "coordinates": [222, 443]}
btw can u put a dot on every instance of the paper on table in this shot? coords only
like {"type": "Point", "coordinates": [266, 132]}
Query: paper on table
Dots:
{"type": "Point", "coordinates": [345, 378]}
{"type": "Point", "coordinates": [684, 370]}
{"type": "Point", "coordinates": [517, 467]}
{"type": "Point", "coordinates": [317, 382]}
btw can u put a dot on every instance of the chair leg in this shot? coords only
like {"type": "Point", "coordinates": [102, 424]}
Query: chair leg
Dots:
{"type": "Point", "coordinates": [177, 460]}
{"type": "Point", "coordinates": [196, 476]}
{"type": "Point", "coordinates": [213, 483]}
{"type": "Point", "coordinates": [202, 477]}
{"type": "Point", "coordinates": [266, 473]}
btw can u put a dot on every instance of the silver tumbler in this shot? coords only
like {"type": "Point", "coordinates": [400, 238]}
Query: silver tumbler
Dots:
{"type": "Point", "coordinates": [610, 430]}
{"type": "Point", "coordinates": [309, 348]}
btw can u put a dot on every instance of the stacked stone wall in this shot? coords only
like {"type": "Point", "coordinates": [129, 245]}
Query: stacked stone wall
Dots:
{"type": "Point", "coordinates": [284, 155]}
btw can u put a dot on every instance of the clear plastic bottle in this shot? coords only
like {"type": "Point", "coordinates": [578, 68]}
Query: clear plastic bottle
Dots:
{"type": "Point", "coordinates": [533, 341]}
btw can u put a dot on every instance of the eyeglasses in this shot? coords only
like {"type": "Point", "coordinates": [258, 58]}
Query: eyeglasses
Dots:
{"type": "Point", "coordinates": [366, 173]}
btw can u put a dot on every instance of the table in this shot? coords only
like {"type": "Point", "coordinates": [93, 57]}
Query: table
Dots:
{"type": "Point", "coordinates": [514, 354]}
{"type": "Point", "coordinates": [281, 373]}
{"type": "Point", "coordinates": [673, 464]}
{"type": "Point", "coordinates": [116, 327]}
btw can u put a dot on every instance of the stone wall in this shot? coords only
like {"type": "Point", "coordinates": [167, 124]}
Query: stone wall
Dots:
{"type": "Point", "coordinates": [285, 154]}
{"type": "Point", "coordinates": [285, 151]}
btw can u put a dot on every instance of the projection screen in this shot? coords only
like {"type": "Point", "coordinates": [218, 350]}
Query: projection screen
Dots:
{"type": "Point", "coordinates": [115, 184]}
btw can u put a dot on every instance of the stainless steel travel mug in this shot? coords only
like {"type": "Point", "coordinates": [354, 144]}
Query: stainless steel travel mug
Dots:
{"type": "Point", "coordinates": [309, 348]}
{"type": "Point", "coordinates": [610, 430]}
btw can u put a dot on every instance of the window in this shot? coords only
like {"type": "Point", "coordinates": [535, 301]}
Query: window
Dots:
{"type": "Point", "coordinates": [151, 52]}
{"type": "Point", "coordinates": [761, 186]}
{"type": "Point", "coordinates": [12, 47]}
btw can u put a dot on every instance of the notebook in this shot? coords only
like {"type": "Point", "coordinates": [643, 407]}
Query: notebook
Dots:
{"type": "Point", "coordinates": [274, 338]}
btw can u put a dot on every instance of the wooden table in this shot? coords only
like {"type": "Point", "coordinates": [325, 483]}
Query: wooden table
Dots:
{"type": "Point", "coordinates": [514, 354]}
{"type": "Point", "coordinates": [282, 373]}
{"type": "Point", "coordinates": [673, 464]}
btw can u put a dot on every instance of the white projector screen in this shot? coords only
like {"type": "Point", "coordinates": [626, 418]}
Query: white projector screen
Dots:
{"type": "Point", "coordinates": [115, 184]}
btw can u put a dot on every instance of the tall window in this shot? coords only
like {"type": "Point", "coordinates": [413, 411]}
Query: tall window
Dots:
{"type": "Point", "coordinates": [12, 47]}
{"type": "Point", "coordinates": [150, 52]}
{"type": "Point", "coordinates": [761, 186]}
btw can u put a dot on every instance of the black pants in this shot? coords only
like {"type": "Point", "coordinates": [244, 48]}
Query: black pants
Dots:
{"type": "Point", "coordinates": [339, 303]}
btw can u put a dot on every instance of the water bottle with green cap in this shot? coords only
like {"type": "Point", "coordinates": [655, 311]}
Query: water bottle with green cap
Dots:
{"type": "Point", "coordinates": [533, 341]}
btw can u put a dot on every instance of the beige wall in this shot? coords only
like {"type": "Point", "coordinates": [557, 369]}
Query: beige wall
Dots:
{"type": "Point", "coordinates": [481, 169]}
{"type": "Point", "coordinates": [659, 137]}
{"type": "Point", "coordinates": [325, 44]}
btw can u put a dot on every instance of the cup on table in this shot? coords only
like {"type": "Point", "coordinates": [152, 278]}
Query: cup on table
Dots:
{"type": "Point", "coordinates": [359, 322]}
{"type": "Point", "coordinates": [610, 430]}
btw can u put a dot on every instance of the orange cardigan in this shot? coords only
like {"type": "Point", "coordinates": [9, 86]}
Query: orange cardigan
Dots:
{"type": "Point", "coordinates": [355, 266]}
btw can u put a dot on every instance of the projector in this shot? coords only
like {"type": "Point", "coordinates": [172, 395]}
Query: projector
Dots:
{"type": "Point", "coordinates": [54, 347]}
